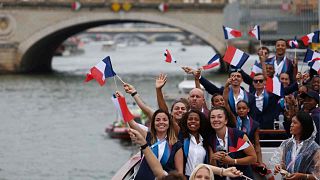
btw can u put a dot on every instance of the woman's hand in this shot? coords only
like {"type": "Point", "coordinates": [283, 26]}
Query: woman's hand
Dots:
{"type": "Point", "coordinates": [232, 172]}
{"type": "Point", "coordinates": [197, 73]}
{"type": "Point", "coordinates": [228, 82]}
{"type": "Point", "coordinates": [296, 176]}
{"type": "Point", "coordinates": [119, 94]}
{"type": "Point", "coordinates": [227, 159]}
{"type": "Point", "coordinates": [218, 156]}
{"type": "Point", "coordinates": [129, 88]}
{"type": "Point", "coordinates": [187, 69]}
{"type": "Point", "coordinates": [161, 80]}
{"type": "Point", "coordinates": [136, 137]}
{"type": "Point", "coordinates": [277, 169]}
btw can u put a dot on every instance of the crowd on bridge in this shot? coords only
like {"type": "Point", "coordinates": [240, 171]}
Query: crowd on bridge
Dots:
{"type": "Point", "coordinates": [194, 140]}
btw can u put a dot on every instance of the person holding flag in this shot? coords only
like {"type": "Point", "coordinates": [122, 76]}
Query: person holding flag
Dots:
{"type": "Point", "coordinates": [163, 142]}
{"type": "Point", "coordinates": [229, 146]}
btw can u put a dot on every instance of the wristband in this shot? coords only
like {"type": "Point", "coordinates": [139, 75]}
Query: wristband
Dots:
{"type": "Point", "coordinates": [134, 93]}
{"type": "Point", "coordinates": [144, 146]}
{"type": "Point", "coordinates": [235, 161]}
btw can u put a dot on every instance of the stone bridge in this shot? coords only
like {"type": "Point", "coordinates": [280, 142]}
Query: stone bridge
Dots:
{"type": "Point", "coordinates": [30, 31]}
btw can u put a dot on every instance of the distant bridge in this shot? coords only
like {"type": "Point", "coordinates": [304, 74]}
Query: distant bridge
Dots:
{"type": "Point", "coordinates": [30, 31]}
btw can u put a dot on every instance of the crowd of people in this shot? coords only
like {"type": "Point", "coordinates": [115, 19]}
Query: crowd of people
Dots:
{"type": "Point", "coordinates": [222, 141]}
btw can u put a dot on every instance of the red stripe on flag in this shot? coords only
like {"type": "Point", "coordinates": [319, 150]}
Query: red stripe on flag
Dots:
{"type": "Point", "coordinates": [206, 67]}
{"type": "Point", "coordinates": [126, 114]}
{"type": "Point", "coordinates": [228, 56]}
{"type": "Point", "coordinates": [305, 40]}
{"type": "Point", "coordinates": [269, 85]}
{"type": "Point", "coordinates": [236, 33]}
{"type": "Point", "coordinates": [97, 75]}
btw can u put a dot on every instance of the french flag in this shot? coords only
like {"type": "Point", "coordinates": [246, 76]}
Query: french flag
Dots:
{"type": "Point", "coordinates": [293, 43]}
{"type": "Point", "coordinates": [214, 61]}
{"type": "Point", "coordinates": [169, 57]}
{"type": "Point", "coordinates": [315, 64]}
{"type": "Point", "coordinates": [235, 57]}
{"type": "Point", "coordinates": [231, 33]}
{"type": "Point", "coordinates": [121, 105]}
{"type": "Point", "coordinates": [256, 68]}
{"type": "Point", "coordinates": [101, 71]}
{"type": "Point", "coordinates": [255, 32]}
{"type": "Point", "coordinates": [311, 56]}
{"type": "Point", "coordinates": [309, 38]}
{"type": "Point", "coordinates": [273, 85]}
{"type": "Point", "coordinates": [241, 145]}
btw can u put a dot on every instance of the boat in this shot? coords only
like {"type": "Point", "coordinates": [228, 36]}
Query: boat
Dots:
{"type": "Point", "coordinates": [127, 171]}
{"type": "Point", "coordinates": [108, 46]}
{"type": "Point", "coordinates": [119, 129]}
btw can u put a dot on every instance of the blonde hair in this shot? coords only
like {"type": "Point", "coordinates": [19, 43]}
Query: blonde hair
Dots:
{"type": "Point", "coordinates": [199, 166]}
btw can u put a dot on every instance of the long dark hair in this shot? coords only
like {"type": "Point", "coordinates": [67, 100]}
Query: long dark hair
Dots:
{"type": "Point", "coordinates": [307, 124]}
{"type": "Point", "coordinates": [171, 136]}
{"type": "Point", "coordinates": [184, 127]}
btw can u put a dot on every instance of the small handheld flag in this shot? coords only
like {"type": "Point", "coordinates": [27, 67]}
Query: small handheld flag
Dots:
{"type": "Point", "coordinates": [241, 145]}
{"type": "Point", "coordinates": [315, 64]}
{"type": "Point", "coordinates": [101, 71]}
{"type": "Point", "coordinates": [255, 32]}
{"type": "Point", "coordinates": [310, 38]}
{"type": "Point", "coordinates": [76, 5]}
{"type": "Point", "coordinates": [311, 56]}
{"type": "Point", "coordinates": [273, 85]}
{"type": "Point", "coordinates": [163, 7]}
{"type": "Point", "coordinates": [231, 33]}
{"type": "Point", "coordinates": [214, 61]}
{"type": "Point", "coordinates": [235, 57]}
{"type": "Point", "coordinates": [256, 68]}
{"type": "Point", "coordinates": [121, 105]}
{"type": "Point", "coordinates": [169, 57]}
{"type": "Point", "coordinates": [293, 43]}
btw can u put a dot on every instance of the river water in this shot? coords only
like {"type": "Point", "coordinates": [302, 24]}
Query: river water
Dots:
{"type": "Point", "coordinates": [52, 126]}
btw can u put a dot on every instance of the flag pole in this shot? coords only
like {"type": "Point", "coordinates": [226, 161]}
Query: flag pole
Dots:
{"type": "Point", "coordinates": [246, 177]}
{"type": "Point", "coordinates": [120, 79]}
{"type": "Point", "coordinates": [115, 82]}
{"type": "Point", "coordinates": [260, 43]}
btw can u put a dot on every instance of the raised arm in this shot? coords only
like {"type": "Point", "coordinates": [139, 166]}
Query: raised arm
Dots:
{"type": "Point", "coordinates": [133, 92]}
{"type": "Point", "coordinates": [160, 82]}
{"type": "Point", "coordinates": [262, 57]}
{"type": "Point", "coordinates": [209, 87]}
{"type": "Point", "coordinates": [152, 161]}
{"type": "Point", "coordinates": [195, 73]}
{"type": "Point", "coordinates": [132, 123]}
{"type": "Point", "coordinates": [226, 101]}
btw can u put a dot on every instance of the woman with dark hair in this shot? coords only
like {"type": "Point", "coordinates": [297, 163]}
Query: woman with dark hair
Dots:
{"type": "Point", "coordinates": [163, 141]}
{"type": "Point", "coordinates": [299, 155]}
{"type": "Point", "coordinates": [217, 100]}
{"type": "Point", "coordinates": [229, 146]}
{"type": "Point", "coordinates": [194, 138]}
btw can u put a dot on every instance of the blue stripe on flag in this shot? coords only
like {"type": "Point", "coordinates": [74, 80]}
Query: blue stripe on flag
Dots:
{"type": "Point", "coordinates": [108, 71]}
{"type": "Point", "coordinates": [315, 38]}
{"type": "Point", "coordinates": [215, 57]}
{"type": "Point", "coordinates": [225, 32]}
{"type": "Point", "coordinates": [308, 56]}
{"type": "Point", "coordinates": [243, 59]}
{"type": "Point", "coordinates": [258, 30]}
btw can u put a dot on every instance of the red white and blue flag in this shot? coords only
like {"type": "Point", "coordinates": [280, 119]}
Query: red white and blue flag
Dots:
{"type": "Point", "coordinates": [255, 32]}
{"type": "Point", "coordinates": [273, 85]}
{"type": "Point", "coordinates": [315, 64]}
{"type": "Point", "coordinates": [311, 56]}
{"type": "Point", "coordinates": [231, 33]}
{"type": "Point", "coordinates": [121, 105]}
{"type": "Point", "coordinates": [101, 71]}
{"type": "Point", "coordinates": [214, 61]}
{"type": "Point", "coordinates": [235, 57]}
{"type": "Point", "coordinates": [76, 5]}
{"type": "Point", "coordinates": [310, 38]}
{"type": "Point", "coordinates": [241, 145]}
{"type": "Point", "coordinates": [293, 43]}
{"type": "Point", "coordinates": [256, 68]}
{"type": "Point", "coordinates": [169, 57]}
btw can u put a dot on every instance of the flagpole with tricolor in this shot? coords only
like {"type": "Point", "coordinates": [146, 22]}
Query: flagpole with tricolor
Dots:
{"type": "Point", "coordinates": [255, 33]}
{"type": "Point", "coordinates": [230, 33]}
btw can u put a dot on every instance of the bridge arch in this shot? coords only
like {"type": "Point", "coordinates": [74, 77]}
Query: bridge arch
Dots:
{"type": "Point", "coordinates": [36, 51]}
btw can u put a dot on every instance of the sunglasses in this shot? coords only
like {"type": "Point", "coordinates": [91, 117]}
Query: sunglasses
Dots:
{"type": "Point", "coordinates": [258, 80]}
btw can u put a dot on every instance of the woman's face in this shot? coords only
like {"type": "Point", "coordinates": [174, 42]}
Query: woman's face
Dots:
{"type": "Point", "coordinates": [242, 109]}
{"type": "Point", "coordinates": [193, 122]}
{"type": "Point", "coordinates": [202, 174]}
{"type": "Point", "coordinates": [161, 122]}
{"type": "Point", "coordinates": [217, 101]}
{"type": "Point", "coordinates": [218, 119]}
{"type": "Point", "coordinates": [295, 127]}
{"type": "Point", "coordinates": [178, 110]}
